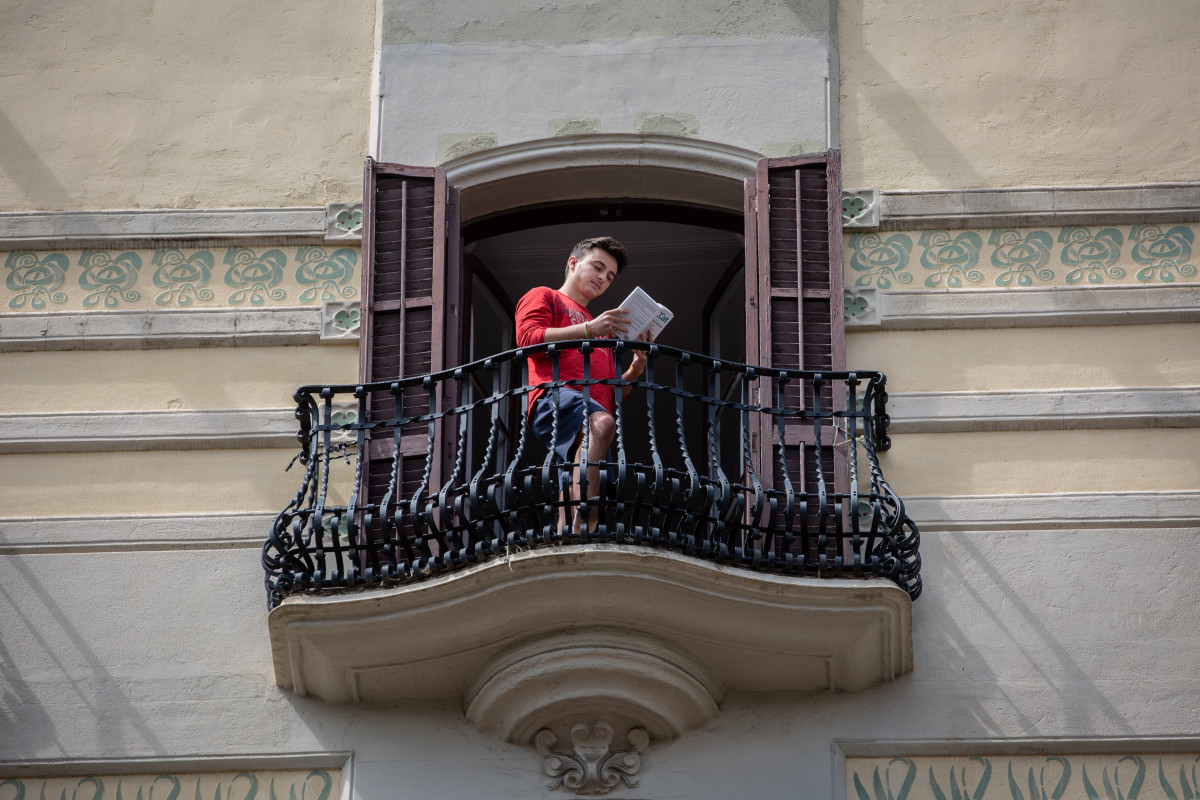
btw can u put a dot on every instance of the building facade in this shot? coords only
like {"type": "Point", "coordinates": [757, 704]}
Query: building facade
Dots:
{"type": "Point", "coordinates": [182, 227]}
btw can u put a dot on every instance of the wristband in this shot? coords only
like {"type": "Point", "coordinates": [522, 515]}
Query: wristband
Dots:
{"type": "Point", "coordinates": [586, 334]}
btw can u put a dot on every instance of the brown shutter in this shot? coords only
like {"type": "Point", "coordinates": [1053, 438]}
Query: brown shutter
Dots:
{"type": "Point", "coordinates": [406, 290]}
{"type": "Point", "coordinates": [795, 316]}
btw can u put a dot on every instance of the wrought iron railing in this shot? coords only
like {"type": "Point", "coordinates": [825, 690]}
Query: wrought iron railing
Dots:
{"type": "Point", "coordinates": [753, 467]}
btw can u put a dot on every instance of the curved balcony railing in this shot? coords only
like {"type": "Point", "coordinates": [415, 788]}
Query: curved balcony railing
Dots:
{"type": "Point", "coordinates": [753, 467]}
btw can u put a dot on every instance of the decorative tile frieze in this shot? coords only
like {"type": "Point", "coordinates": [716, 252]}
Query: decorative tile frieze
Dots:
{"type": "Point", "coordinates": [343, 222]}
{"type": "Point", "coordinates": [860, 208]}
{"type": "Point", "coordinates": [1119, 776]}
{"type": "Point", "coordinates": [177, 277]}
{"type": "Point", "coordinates": [299, 784]}
{"type": "Point", "coordinates": [1019, 258]}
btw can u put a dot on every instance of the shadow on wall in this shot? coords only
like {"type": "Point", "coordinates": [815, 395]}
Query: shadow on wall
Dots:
{"type": "Point", "coordinates": [923, 138]}
{"type": "Point", "coordinates": [66, 659]}
{"type": "Point", "coordinates": [977, 603]}
{"type": "Point", "coordinates": [37, 185]}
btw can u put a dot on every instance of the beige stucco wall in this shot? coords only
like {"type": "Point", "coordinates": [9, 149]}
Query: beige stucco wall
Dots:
{"type": "Point", "coordinates": [137, 483]}
{"type": "Point", "coordinates": [919, 464]}
{"type": "Point", "coordinates": [142, 104]}
{"type": "Point", "coordinates": [950, 95]}
{"type": "Point", "coordinates": [999, 359]}
{"type": "Point", "coordinates": [164, 380]}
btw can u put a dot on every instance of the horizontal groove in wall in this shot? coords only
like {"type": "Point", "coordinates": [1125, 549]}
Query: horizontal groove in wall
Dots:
{"type": "Point", "coordinates": [1125, 511]}
{"type": "Point", "coordinates": [1074, 511]}
{"type": "Point", "coordinates": [51, 767]}
{"type": "Point", "coordinates": [135, 533]}
{"type": "Point", "coordinates": [1041, 205]}
{"type": "Point", "coordinates": [152, 330]}
{"type": "Point", "coordinates": [909, 412]}
{"type": "Point", "coordinates": [29, 230]}
{"type": "Point", "coordinates": [1034, 410]}
{"type": "Point", "coordinates": [1033, 308]}
{"type": "Point", "coordinates": [147, 430]}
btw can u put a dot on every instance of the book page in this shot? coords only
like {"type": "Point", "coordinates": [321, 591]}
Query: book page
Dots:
{"type": "Point", "coordinates": [645, 314]}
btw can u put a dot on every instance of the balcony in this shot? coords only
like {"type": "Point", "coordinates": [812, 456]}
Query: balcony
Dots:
{"type": "Point", "coordinates": [741, 535]}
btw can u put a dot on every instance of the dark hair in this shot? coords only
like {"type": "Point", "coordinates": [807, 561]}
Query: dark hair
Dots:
{"type": "Point", "coordinates": [606, 243]}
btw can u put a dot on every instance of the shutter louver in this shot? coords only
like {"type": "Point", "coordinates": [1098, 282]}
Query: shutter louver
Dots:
{"type": "Point", "coordinates": [403, 323]}
{"type": "Point", "coordinates": [796, 320]}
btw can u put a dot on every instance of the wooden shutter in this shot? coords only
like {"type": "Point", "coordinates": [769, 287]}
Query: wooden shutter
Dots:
{"type": "Point", "coordinates": [411, 287]}
{"type": "Point", "coordinates": [795, 316]}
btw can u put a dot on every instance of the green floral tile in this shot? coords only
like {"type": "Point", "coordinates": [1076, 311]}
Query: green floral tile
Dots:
{"type": "Point", "coordinates": [246, 277]}
{"type": "Point", "coordinates": [1016, 258]}
{"type": "Point", "coordinates": [1116, 776]}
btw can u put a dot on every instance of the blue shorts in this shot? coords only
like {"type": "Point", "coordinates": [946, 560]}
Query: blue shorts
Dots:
{"type": "Point", "coordinates": [571, 416]}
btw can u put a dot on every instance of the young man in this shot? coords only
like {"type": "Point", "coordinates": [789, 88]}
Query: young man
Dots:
{"type": "Point", "coordinates": [546, 315]}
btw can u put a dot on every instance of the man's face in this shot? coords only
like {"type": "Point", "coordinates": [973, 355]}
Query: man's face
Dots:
{"type": "Point", "coordinates": [592, 274]}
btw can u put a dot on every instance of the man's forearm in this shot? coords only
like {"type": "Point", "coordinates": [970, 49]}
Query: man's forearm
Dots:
{"type": "Point", "coordinates": [565, 334]}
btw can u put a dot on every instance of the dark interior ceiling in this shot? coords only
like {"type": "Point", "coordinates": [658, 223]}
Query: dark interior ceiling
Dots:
{"type": "Point", "coordinates": [677, 264]}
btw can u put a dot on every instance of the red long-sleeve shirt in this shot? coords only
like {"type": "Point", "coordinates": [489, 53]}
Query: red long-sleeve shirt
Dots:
{"type": "Point", "coordinates": [543, 308]}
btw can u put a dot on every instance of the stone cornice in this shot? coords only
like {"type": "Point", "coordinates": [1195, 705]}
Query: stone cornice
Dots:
{"type": "Point", "coordinates": [910, 412]}
{"type": "Point", "coordinates": [147, 430]}
{"type": "Point", "coordinates": [149, 330]}
{"type": "Point", "coordinates": [1044, 409]}
{"type": "Point", "coordinates": [966, 514]}
{"type": "Point", "coordinates": [128, 228]}
{"type": "Point", "coordinates": [1036, 307]}
{"type": "Point", "coordinates": [1040, 205]}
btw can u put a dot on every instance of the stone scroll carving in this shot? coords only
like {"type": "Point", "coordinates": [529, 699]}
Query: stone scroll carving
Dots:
{"type": "Point", "coordinates": [593, 767]}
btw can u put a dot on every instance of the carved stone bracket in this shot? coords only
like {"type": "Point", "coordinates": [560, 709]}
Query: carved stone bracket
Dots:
{"type": "Point", "coordinates": [343, 222]}
{"type": "Point", "coordinates": [593, 767]}
{"type": "Point", "coordinates": [340, 321]}
{"type": "Point", "coordinates": [344, 413]}
{"type": "Point", "coordinates": [861, 305]}
{"type": "Point", "coordinates": [860, 208]}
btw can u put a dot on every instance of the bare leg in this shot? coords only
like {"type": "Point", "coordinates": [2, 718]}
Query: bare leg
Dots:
{"type": "Point", "coordinates": [600, 437]}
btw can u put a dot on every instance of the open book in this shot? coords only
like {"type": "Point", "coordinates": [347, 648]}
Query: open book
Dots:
{"type": "Point", "coordinates": [645, 314]}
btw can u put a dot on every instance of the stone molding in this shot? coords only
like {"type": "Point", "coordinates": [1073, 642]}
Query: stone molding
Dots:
{"type": "Point", "coordinates": [55, 767]}
{"type": "Point", "coordinates": [910, 412]}
{"type": "Point", "coordinates": [889, 310]}
{"type": "Point", "coordinates": [691, 624]}
{"type": "Point", "coordinates": [1041, 205]}
{"type": "Point", "coordinates": [1044, 409]}
{"type": "Point", "coordinates": [152, 330]}
{"type": "Point", "coordinates": [899, 210]}
{"type": "Point", "coordinates": [246, 530]}
{"type": "Point", "coordinates": [1147, 511]}
{"type": "Point", "coordinates": [601, 150]}
{"type": "Point", "coordinates": [1067, 511]}
{"type": "Point", "coordinates": [90, 431]}
{"type": "Point", "coordinates": [1035, 308]}
{"type": "Point", "coordinates": [591, 672]}
{"type": "Point", "coordinates": [31, 230]}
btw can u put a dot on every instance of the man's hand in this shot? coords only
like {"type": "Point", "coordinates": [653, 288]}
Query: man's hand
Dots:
{"type": "Point", "coordinates": [638, 365]}
{"type": "Point", "coordinates": [614, 323]}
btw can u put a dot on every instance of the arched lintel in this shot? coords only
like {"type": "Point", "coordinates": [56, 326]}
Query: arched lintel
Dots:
{"type": "Point", "coordinates": [658, 168]}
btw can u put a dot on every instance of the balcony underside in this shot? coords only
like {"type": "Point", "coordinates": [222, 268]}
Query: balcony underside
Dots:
{"type": "Point", "coordinates": [549, 638]}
